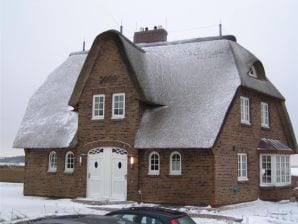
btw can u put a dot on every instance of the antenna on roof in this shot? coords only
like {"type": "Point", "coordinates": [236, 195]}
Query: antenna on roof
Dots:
{"type": "Point", "coordinates": [220, 30]}
{"type": "Point", "coordinates": [84, 45]}
{"type": "Point", "coordinates": [121, 28]}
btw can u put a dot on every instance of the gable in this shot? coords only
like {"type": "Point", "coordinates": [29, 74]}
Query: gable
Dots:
{"type": "Point", "coordinates": [92, 57]}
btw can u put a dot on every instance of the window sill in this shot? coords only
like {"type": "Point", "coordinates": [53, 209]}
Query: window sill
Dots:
{"type": "Point", "coordinates": [243, 180]}
{"type": "Point", "coordinates": [153, 174]}
{"type": "Point", "coordinates": [266, 128]}
{"type": "Point", "coordinates": [245, 124]}
{"type": "Point", "coordinates": [274, 186]}
{"type": "Point", "coordinates": [52, 171]}
{"type": "Point", "coordinates": [174, 174]}
{"type": "Point", "coordinates": [97, 118]}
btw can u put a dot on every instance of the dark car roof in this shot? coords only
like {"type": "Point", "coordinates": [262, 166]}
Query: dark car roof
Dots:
{"type": "Point", "coordinates": [80, 219]}
{"type": "Point", "coordinates": [151, 211]}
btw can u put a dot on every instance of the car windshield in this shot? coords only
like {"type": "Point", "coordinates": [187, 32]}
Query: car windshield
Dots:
{"type": "Point", "coordinates": [185, 220]}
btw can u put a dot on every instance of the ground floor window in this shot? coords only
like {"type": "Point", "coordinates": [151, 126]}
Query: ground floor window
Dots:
{"type": "Point", "coordinates": [52, 162]}
{"type": "Point", "coordinates": [242, 166]}
{"type": "Point", "coordinates": [175, 163]}
{"type": "Point", "coordinates": [154, 163]}
{"type": "Point", "coordinates": [69, 162]}
{"type": "Point", "coordinates": [275, 170]}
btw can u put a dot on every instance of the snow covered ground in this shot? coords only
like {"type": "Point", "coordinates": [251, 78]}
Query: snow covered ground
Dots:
{"type": "Point", "coordinates": [15, 207]}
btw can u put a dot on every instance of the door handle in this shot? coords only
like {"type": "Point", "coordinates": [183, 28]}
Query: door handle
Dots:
{"type": "Point", "coordinates": [88, 175]}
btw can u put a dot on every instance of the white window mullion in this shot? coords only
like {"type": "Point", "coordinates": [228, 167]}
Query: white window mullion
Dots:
{"type": "Point", "coordinates": [98, 106]}
{"type": "Point", "coordinates": [273, 169]}
{"type": "Point", "coordinates": [244, 110]}
{"type": "Point", "coordinates": [280, 169]}
{"type": "Point", "coordinates": [118, 106]}
{"type": "Point", "coordinates": [242, 167]}
{"type": "Point", "coordinates": [264, 115]}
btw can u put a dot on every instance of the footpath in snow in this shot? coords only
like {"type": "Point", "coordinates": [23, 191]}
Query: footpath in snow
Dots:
{"type": "Point", "coordinates": [15, 207]}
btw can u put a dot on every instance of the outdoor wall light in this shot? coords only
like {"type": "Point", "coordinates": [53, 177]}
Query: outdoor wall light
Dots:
{"type": "Point", "coordinates": [80, 160]}
{"type": "Point", "coordinates": [132, 161]}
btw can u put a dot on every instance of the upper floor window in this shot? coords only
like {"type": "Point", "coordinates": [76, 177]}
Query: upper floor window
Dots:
{"type": "Point", "coordinates": [264, 115]}
{"type": "Point", "coordinates": [98, 106]}
{"type": "Point", "coordinates": [175, 163]}
{"type": "Point", "coordinates": [242, 166]}
{"type": "Point", "coordinates": [118, 110]}
{"type": "Point", "coordinates": [69, 162]}
{"type": "Point", "coordinates": [275, 170]}
{"type": "Point", "coordinates": [252, 72]}
{"type": "Point", "coordinates": [53, 162]}
{"type": "Point", "coordinates": [244, 109]}
{"type": "Point", "coordinates": [154, 163]}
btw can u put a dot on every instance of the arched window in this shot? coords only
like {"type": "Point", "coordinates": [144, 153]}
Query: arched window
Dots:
{"type": "Point", "coordinates": [52, 162]}
{"type": "Point", "coordinates": [69, 162]}
{"type": "Point", "coordinates": [154, 163]}
{"type": "Point", "coordinates": [175, 163]}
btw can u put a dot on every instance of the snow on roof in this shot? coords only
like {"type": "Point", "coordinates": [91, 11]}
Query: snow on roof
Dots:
{"type": "Point", "coordinates": [48, 120]}
{"type": "Point", "coordinates": [193, 81]}
{"type": "Point", "coordinates": [197, 82]}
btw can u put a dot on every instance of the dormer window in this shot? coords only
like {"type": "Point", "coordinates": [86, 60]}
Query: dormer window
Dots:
{"type": "Point", "coordinates": [252, 72]}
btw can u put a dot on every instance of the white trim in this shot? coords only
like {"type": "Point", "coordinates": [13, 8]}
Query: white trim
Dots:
{"type": "Point", "coordinates": [252, 72]}
{"type": "Point", "coordinates": [66, 168]}
{"type": "Point", "coordinates": [150, 171]}
{"type": "Point", "coordinates": [244, 110]}
{"type": "Point", "coordinates": [175, 172]}
{"type": "Point", "coordinates": [98, 117]}
{"type": "Point", "coordinates": [265, 115]}
{"type": "Point", "coordinates": [241, 163]}
{"type": "Point", "coordinates": [273, 171]}
{"type": "Point", "coordinates": [51, 167]}
{"type": "Point", "coordinates": [117, 116]}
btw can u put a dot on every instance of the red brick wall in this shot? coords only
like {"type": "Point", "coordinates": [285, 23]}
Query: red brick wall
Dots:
{"type": "Point", "coordinates": [193, 187]}
{"type": "Point", "coordinates": [38, 181]}
{"type": "Point", "coordinates": [236, 138]}
{"type": "Point", "coordinates": [109, 75]}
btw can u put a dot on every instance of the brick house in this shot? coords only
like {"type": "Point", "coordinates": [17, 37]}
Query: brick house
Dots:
{"type": "Point", "coordinates": [187, 122]}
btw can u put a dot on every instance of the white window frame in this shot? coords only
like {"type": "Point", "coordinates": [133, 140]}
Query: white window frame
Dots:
{"type": "Point", "coordinates": [275, 170]}
{"type": "Point", "coordinates": [117, 116]}
{"type": "Point", "coordinates": [264, 115]}
{"type": "Point", "coordinates": [52, 162]}
{"type": "Point", "coordinates": [175, 171]}
{"type": "Point", "coordinates": [150, 170]}
{"type": "Point", "coordinates": [69, 169]}
{"type": "Point", "coordinates": [242, 167]}
{"type": "Point", "coordinates": [98, 117]}
{"type": "Point", "coordinates": [252, 72]}
{"type": "Point", "coordinates": [245, 110]}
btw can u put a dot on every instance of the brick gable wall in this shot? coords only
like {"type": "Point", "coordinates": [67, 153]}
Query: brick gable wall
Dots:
{"type": "Point", "coordinates": [108, 75]}
{"type": "Point", "coordinates": [237, 138]}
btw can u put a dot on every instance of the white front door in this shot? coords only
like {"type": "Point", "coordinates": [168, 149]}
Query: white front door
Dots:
{"type": "Point", "coordinates": [106, 173]}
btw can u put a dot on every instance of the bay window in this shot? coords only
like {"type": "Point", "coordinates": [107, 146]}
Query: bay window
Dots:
{"type": "Point", "coordinates": [274, 170]}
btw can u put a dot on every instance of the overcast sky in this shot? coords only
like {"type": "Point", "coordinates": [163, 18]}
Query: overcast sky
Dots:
{"type": "Point", "coordinates": [37, 36]}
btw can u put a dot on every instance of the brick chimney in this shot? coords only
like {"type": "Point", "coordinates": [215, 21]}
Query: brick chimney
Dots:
{"type": "Point", "coordinates": [158, 34]}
